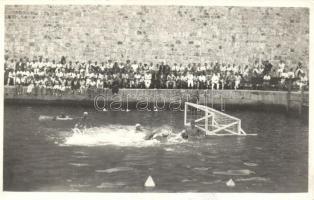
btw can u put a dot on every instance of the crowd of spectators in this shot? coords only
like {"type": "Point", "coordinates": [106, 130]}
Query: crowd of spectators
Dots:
{"type": "Point", "coordinates": [56, 77]}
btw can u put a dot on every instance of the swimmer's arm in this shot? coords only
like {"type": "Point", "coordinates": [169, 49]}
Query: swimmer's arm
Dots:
{"type": "Point", "coordinates": [151, 135]}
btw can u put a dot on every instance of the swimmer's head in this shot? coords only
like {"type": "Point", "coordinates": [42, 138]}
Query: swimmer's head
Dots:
{"type": "Point", "coordinates": [138, 127]}
{"type": "Point", "coordinates": [184, 135]}
{"type": "Point", "coordinates": [85, 113]}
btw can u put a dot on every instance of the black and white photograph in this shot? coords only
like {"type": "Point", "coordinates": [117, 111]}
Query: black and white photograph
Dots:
{"type": "Point", "coordinates": [156, 98]}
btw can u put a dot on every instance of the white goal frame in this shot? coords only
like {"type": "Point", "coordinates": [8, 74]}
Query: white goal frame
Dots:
{"type": "Point", "coordinates": [210, 121]}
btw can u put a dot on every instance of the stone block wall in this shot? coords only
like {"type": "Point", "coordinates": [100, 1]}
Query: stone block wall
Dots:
{"type": "Point", "coordinates": [179, 34]}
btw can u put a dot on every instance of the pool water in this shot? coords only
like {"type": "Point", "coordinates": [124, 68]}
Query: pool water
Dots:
{"type": "Point", "coordinates": [112, 157]}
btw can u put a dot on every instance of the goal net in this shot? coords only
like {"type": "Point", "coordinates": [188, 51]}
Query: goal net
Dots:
{"type": "Point", "coordinates": [211, 121]}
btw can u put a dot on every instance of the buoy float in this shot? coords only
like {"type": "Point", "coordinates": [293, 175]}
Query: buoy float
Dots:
{"type": "Point", "coordinates": [149, 182]}
{"type": "Point", "coordinates": [230, 183]}
{"type": "Point", "coordinates": [104, 110]}
{"type": "Point", "coordinates": [155, 109]}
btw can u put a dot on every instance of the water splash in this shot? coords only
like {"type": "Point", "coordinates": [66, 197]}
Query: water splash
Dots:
{"type": "Point", "coordinates": [119, 135]}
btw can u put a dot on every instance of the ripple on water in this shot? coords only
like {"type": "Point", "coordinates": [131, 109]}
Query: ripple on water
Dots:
{"type": "Point", "coordinates": [78, 185]}
{"type": "Point", "coordinates": [201, 168]}
{"type": "Point", "coordinates": [234, 172]}
{"type": "Point", "coordinates": [105, 185]}
{"type": "Point", "coordinates": [249, 164]}
{"type": "Point", "coordinates": [254, 179]}
{"type": "Point", "coordinates": [79, 164]}
{"type": "Point", "coordinates": [116, 169]}
{"type": "Point", "coordinates": [211, 182]}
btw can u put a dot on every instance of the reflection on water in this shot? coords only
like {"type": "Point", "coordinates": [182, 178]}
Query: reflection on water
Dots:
{"type": "Point", "coordinates": [112, 157]}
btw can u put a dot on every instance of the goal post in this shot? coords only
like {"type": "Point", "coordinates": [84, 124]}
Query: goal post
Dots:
{"type": "Point", "coordinates": [211, 121]}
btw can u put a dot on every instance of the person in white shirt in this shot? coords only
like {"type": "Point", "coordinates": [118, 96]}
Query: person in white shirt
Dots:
{"type": "Point", "coordinates": [134, 66]}
{"type": "Point", "coordinates": [202, 80]}
{"type": "Point", "coordinates": [137, 78]}
{"type": "Point", "coordinates": [56, 87]}
{"type": "Point", "coordinates": [199, 68]}
{"type": "Point", "coordinates": [208, 80]}
{"type": "Point", "coordinates": [215, 81]}
{"type": "Point", "coordinates": [145, 67]}
{"type": "Point", "coordinates": [170, 80]}
{"type": "Point", "coordinates": [142, 81]}
{"type": "Point", "coordinates": [102, 67]}
{"type": "Point", "coordinates": [151, 67]}
{"type": "Point", "coordinates": [11, 77]}
{"type": "Point", "coordinates": [281, 67]}
{"type": "Point", "coordinates": [223, 68]}
{"type": "Point", "coordinates": [299, 70]}
{"type": "Point", "coordinates": [177, 67]}
{"type": "Point", "coordinates": [18, 83]}
{"type": "Point", "coordinates": [284, 76]}
{"type": "Point", "coordinates": [302, 81]}
{"type": "Point", "coordinates": [189, 67]}
{"type": "Point", "coordinates": [121, 66]}
{"type": "Point", "coordinates": [182, 68]}
{"type": "Point", "coordinates": [190, 80]}
{"type": "Point", "coordinates": [266, 80]}
{"type": "Point", "coordinates": [30, 88]}
{"type": "Point", "coordinates": [62, 86]}
{"type": "Point", "coordinates": [148, 79]}
{"type": "Point", "coordinates": [195, 80]}
{"type": "Point", "coordinates": [99, 83]}
{"type": "Point", "coordinates": [236, 68]}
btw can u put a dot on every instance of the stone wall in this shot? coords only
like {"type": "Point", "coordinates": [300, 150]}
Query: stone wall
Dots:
{"type": "Point", "coordinates": [153, 33]}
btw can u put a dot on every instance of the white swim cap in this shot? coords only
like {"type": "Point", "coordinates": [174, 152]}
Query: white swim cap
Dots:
{"type": "Point", "coordinates": [85, 113]}
{"type": "Point", "coordinates": [137, 125]}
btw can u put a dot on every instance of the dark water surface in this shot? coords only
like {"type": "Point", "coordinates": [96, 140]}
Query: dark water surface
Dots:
{"type": "Point", "coordinates": [44, 156]}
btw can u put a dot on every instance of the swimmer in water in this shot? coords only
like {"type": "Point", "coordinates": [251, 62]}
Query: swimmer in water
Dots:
{"type": "Point", "coordinates": [190, 130]}
{"type": "Point", "coordinates": [62, 115]}
{"type": "Point", "coordinates": [138, 127]}
{"type": "Point", "coordinates": [159, 134]}
{"type": "Point", "coordinates": [83, 122]}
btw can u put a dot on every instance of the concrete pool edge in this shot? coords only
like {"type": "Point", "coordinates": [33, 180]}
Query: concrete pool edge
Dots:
{"type": "Point", "coordinates": [293, 101]}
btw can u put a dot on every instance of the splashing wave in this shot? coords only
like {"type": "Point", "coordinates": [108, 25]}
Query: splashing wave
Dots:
{"type": "Point", "coordinates": [119, 135]}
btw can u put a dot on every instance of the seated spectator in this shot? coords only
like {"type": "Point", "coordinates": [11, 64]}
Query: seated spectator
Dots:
{"type": "Point", "coordinates": [208, 80]}
{"type": "Point", "coordinates": [82, 85]}
{"type": "Point", "coordinates": [190, 78]}
{"type": "Point", "coordinates": [148, 79]}
{"type": "Point", "coordinates": [283, 77]}
{"type": "Point", "coordinates": [18, 83]}
{"type": "Point", "coordinates": [58, 77]}
{"type": "Point", "coordinates": [299, 70]}
{"type": "Point", "coordinates": [11, 77]}
{"type": "Point", "coordinates": [266, 81]}
{"type": "Point", "coordinates": [131, 79]}
{"type": "Point", "coordinates": [267, 67]}
{"type": "Point", "coordinates": [134, 66]}
{"type": "Point", "coordinates": [30, 88]}
{"type": "Point", "coordinates": [237, 81]}
{"type": "Point", "coordinates": [302, 81]}
{"type": "Point", "coordinates": [202, 80]}
{"type": "Point", "coordinates": [281, 67]}
{"type": "Point", "coordinates": [171, 81]}
{"type": "Point", "coordinates": [215, 81]}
